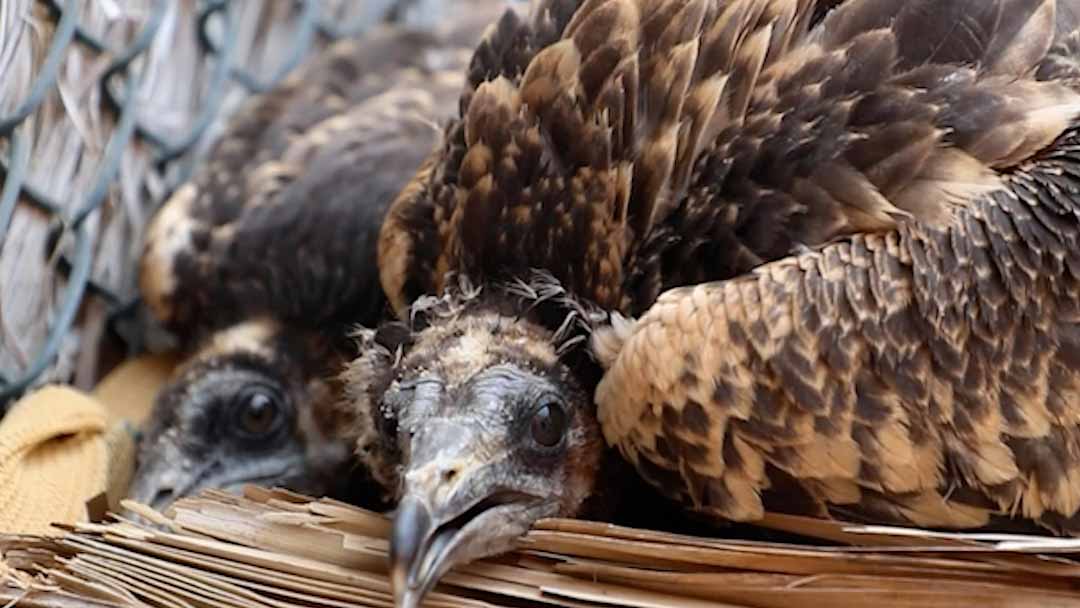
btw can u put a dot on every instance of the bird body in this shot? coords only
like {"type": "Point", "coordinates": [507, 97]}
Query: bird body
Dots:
{"type": "Point", "coordinates": [920, 374]}
{"type": "Point", "coordinates": [266, 257]}
{"type": "Point", "coordinates": [838, 208]}
{"type": "Point", "coordinates": [338, 130]}
{"type": "Point", "coordinates": [924, 375]}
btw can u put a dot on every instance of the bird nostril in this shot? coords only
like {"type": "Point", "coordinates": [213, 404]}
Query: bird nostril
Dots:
{"type": "Point", "coordinates": [450, 474]}
{"type": "Point", "coordinates": [162, 498]}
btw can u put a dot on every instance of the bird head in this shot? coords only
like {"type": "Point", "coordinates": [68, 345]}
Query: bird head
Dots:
{"type": "Point", "coordinates": [242, 410]}
{"type": "Point", "coordinates": [483, 429]}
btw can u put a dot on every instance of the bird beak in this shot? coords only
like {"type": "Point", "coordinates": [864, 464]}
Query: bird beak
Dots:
{"type": "Point", "coordinates": [455, 509]}
{"type": "Point", "coordinates": [412, 530]}
{"type": "Point", "coordinates": [169, 475]}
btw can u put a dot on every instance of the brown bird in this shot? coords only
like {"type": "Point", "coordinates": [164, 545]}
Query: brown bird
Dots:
{"type": "Point", "coordinates": [924, 374]}
{"type": "Point", "coordinates": [263, 260]}
{"type": "Point", "coordinates": [914, 359]}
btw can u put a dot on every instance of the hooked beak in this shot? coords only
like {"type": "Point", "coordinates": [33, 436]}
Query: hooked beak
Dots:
{"type": "Point", "coordinates": [166, 477]}
{"type": "Point", "coordinates": [455, 510]}
{"type": "Point", "coordinates": [170, 473]}
{"type": "Point", "coordinates": [413, 529]}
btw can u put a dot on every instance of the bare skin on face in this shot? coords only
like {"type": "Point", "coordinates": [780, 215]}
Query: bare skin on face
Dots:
{"type": "Point", "coordinates": [246, 408]}
{"type": "Point", "coordinates": [496, 434]}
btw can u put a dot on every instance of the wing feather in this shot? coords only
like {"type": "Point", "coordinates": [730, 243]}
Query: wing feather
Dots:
{"type": "Point", "coordinates": [855, 126]}
{"type": "Point", "coordinates": [869, 374]}
{"type": "Point", "coordinates": [283, 218]}
{"type": "Point", "coordinates": [614, 104]}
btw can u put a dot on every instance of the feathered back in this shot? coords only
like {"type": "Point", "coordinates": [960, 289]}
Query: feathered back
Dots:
{"type": "Point", "coordinates": [861, 126]}
{"type": "Point", "coordinates": [922, 375]}
{"type": "Point", "coordinates": [283, 219]}
{"type": "Point", "coordinates": [628, 146]}
{"type": "Point", "coordinates": [577, 132]}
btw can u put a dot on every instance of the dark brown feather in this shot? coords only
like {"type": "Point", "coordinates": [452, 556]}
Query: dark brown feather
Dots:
{"type": "Point", "coordinates": [629, 147]}
{"type": "Point", "coordinates": [920, 375]}
{"type": "Point", "coordinates": [283, 218]}
{"type": "Point", "coordinates": [667, 143]}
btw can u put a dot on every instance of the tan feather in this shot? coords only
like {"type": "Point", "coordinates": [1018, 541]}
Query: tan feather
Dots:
{"type": "Point", "coordinates": [911, 151]}
{"type": "Point", "coordinates": [973, 441]}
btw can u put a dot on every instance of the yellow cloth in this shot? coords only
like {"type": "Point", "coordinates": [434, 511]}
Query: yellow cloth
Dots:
{"type": "Point", "coordinates": [60, 447]}
{"type": "Point", "coordinates": [53, 458]}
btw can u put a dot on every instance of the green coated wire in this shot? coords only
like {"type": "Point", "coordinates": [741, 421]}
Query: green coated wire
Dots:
{"type": "Point", "coordinates": [80, 272]}
{"type": "Point", "coordinates": [9, 195]}
{"type": "Point", "coordinates": [65, 31]}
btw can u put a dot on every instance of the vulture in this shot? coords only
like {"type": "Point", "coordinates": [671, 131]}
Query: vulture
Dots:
{"type": "Point", "coordinates": [263, 260]}
{"type": "Point", "coordinates": [828, 267]}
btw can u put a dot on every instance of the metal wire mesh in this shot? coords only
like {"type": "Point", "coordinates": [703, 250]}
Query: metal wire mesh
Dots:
{"type": "Point", "coordinates": [105, 106]}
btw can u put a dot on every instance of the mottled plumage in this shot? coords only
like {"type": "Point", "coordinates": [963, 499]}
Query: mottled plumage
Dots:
{"type": "Point", "coordinates": [922, 375]}
{"type": "Point", "coordinates": [250, 234]}
{"type": "Point", "coordinates": [263, 260]}
{"type": "Point", "coordinates": [628, 147]}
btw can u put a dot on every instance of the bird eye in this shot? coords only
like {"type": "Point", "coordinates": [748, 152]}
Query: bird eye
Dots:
{"type": "Point", "coordinates": [259, 412]}
{"type": "Point", "coordinates": [549, 424]}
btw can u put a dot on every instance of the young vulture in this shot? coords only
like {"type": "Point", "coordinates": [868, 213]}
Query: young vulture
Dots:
{"type": "Point", "coordinates": [913, 361]}
{"type": "Point", "coordinates": [263, 259]}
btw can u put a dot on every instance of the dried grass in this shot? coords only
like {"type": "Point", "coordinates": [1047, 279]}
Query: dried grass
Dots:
{"type": "Point", "coordinates": [274, 549]}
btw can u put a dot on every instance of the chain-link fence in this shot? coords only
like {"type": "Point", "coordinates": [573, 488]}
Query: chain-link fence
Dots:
{"type": "Point", "coordinates": [105, 106]}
